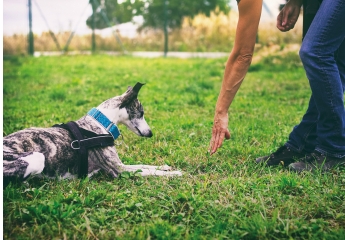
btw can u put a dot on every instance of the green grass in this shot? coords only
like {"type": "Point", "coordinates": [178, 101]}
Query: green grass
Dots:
{"type": "Point", "coordinates": [226, 196]}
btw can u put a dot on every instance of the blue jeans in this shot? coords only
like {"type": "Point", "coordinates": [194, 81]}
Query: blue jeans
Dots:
{"type": "Point", "coordinates": [323, 56]}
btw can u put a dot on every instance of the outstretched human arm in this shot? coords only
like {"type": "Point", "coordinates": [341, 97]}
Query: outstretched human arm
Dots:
{"type": "Point", "coordinates": [236, 68]}
{"type": "Point", "coordinates": [288, 16]}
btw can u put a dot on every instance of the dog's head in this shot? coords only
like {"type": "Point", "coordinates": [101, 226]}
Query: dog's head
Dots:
{"type": "Point", "coordinates": [129, 111]}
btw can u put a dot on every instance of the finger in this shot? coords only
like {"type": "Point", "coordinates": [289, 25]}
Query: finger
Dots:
{"type": "Point", "coordinates": [285, 17]}
{"type": "Point", "coordinates": [227, 134]}
{"type": "Point", "coordinates": [213, 138]}
{"type": "Point", "coordinates": [292, 22]}
{"type": "Point", "coordinates": [210, 148]}
{"type": "Point", "coordinates": [211, 143]}
{"type": "Point", "coordinates": [279, 20]}
{"type": "Point", "coordinates": [215, 143]}
{"type": "Point", "coordinates": [288, 28]}
{"type": "Point", "coordinates": [220, 141]}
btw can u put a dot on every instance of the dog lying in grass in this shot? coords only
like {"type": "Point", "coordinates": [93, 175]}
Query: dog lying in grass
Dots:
{"type": "Point", "coordinates": [55, 151]}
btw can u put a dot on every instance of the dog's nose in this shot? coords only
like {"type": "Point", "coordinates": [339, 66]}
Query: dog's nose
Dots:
{"type": "Point", "coordinates": [149, 134]}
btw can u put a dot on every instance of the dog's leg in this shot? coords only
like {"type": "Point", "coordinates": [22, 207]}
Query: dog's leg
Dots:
{"type": "Point", "coordinates": [150, 167]}
{"type": "Point", "coordinates": [25, 165]}
{"type": "Point", "coordinates": [147, 170]}
{"type": "Point", "coordinates": [108, 160]}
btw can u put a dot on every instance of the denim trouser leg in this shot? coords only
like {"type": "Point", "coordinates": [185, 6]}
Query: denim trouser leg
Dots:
{"type": "Point", "coordinates": [340, 58]}
{"type": "Point", "coordinates": [323, 56]}
{"type": "Point", "coordinates": [303, 137]}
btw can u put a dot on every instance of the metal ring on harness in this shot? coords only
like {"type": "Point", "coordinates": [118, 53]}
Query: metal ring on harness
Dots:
{"type": "Point", "coordinates": [75, 148]}
{"type": "Point", "coordinates": [82, 144]}
{"type": "Point", "coordinates": [100, 143]}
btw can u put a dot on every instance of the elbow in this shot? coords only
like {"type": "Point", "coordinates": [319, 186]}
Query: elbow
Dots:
{"type": "Point", "coordinates": [244, 59]}
{"type": "Point", "coordinates": [242, 56]}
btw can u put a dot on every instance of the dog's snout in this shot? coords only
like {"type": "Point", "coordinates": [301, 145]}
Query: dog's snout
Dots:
{"type": "Point", "coordinates": [146, 133]}
{"type": "Point", "coordinates": [149, 134]}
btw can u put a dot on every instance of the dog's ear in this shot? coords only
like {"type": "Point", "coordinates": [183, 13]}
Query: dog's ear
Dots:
{"type": "Point", "coordinates": [131, 94]}
{"type": "Point", "coordinates": [137, 87]}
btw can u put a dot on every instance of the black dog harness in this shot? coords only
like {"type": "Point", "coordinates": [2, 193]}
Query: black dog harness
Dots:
{"type": "Point", "coordinates": [85, 139]}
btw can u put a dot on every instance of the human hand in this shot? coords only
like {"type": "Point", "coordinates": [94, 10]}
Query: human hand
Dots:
{"type": "Point", "coordinates": [288, 16]}
{"type": "Point", "coordinates": [219, 132]}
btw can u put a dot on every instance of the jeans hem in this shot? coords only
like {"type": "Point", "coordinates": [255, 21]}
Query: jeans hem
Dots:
{"type": "Point", "coordinates": [335, 155]}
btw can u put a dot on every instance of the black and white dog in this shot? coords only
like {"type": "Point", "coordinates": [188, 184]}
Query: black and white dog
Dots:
{"type": "Point", "coordinates": [49, 150]}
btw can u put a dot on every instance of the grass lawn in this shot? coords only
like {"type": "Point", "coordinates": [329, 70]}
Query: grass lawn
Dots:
{"type": "Point", "coordinates": [226, 196]}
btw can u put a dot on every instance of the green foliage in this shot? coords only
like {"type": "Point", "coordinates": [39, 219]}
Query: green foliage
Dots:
{"type": "Point", "coordinates": [153, 11]}
{"type": "Point", "coordinates": [154, 15]}
{"type": "Point", "coordinates": [226, 196]}
{"type": "Point", "coordinates": [289, 61]}
{"type": "Point", "coordinates": [116, 12]}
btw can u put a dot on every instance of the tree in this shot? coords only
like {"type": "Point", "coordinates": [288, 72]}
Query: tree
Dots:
{"type": "Point", "coordinates": [154, 15]}
{"type": "Point", "coordinates": [162, 14]}
{"type": "Point", "coordinates": [116, 12]}
{"type": "Point", "coordinates": [153, 11]}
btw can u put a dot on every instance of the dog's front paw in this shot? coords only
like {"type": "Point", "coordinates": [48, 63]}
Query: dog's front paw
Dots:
{"type": "Point", "coordinates": [175, 173]}
{"type": "Point", "coordinates": [164, 168]}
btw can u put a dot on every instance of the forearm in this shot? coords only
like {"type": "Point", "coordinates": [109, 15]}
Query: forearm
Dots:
{"type": "Point", "coordinates": [241, 55]}
{"type": "Point", "coordinates": [236, 68]}
{"type": "Point", "coordinates": [235, 71]}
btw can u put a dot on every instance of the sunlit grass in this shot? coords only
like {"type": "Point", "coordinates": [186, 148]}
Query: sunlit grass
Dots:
{"type": "Point", "coordinates": [219, 197]}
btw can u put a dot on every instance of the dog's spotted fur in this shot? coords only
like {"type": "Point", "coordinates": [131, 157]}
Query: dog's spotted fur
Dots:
{"type": "Point", "coordinates": [21, 149]}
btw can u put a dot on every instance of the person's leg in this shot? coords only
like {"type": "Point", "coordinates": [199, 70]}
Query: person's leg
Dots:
{"type": "Point", "coordinates": [340, 59]}
{"type": "Point", "coordinates": [302, 140]}
{"type": "Point", "coordinates": [324, 37]}
{"type": "Point", "coordinates": [323, 56]}
{"type": "Point", "coordinates": [303, 136]}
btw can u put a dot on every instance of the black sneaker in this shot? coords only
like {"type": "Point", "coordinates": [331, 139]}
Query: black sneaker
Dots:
{"type": "Point", "coordinates": [284, 155]}
{"type": "Point", "coordinates": [316, 161]}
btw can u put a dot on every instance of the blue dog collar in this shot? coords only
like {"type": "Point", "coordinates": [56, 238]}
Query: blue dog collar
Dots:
{"type": "Point", "coordinates": [105, 122]}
